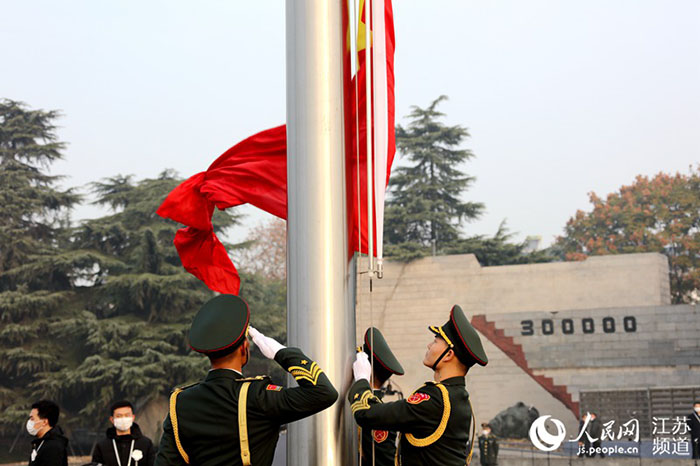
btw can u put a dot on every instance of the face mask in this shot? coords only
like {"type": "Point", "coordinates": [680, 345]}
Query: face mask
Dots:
{"type": "Point", "coordinates": [486, 432]}
{"type": "Point", "coordinates": [31, 429]}
{"type": "Point", "coordinates": [697, 409]}
{"type": "Point", "coordinates": [123, 423]}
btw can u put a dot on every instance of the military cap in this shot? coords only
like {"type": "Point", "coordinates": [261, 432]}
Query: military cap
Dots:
{"type": "Point", "coordinates": [462, 338]}
{"type": "Point", "coordinates": [220, 326]}
{"type": "Point", "coordinates": [382, 352]}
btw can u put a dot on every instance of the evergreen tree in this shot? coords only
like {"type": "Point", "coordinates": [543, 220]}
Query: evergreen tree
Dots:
{"type": "Point", "coordinates": [498, 249]}
{"type": "Point", "coordinates": [424, 210]}
{"type": "Point", "coordinates": [35, 275]}
{"type": "Point", "coordinates": [136, 303]}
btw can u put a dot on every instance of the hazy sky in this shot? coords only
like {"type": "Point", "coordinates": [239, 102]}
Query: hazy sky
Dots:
{"type": "Point", "coordinates": [560, 97]}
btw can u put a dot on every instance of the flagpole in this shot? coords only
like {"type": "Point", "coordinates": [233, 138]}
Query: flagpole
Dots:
{"type": "Point", "coordinates": [320, 287]}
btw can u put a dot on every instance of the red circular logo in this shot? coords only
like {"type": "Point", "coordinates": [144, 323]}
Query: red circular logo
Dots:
{"type": "Point", "coordinates": [380, 435]}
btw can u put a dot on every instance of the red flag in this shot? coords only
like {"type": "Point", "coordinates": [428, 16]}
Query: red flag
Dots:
{"type": "Point", "coordinates": [356, 124]}
{"type": "Point", "coordinates": [254, 171]}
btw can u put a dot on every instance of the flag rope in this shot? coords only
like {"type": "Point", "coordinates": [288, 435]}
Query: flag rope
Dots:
{"type": "Point", "coordinates": [355, 21]}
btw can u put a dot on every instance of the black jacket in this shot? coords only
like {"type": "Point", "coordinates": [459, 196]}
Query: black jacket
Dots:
{"type": "Point", "coordinates": [51, 449]}
{"type": "Point", "coordinates": [694, 425]}
{"type": "Point", "coordinates": [104, 450]}
{"type": "Point", "coordinates": [595, 429]}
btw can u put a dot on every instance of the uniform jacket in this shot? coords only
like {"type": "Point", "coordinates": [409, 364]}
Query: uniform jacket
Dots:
{"type": "Point", "coordinates": [104, 450]}
{"type": "Point", "coordinates": [51, 449]}
{"type": "Point", "coordinates": [433, 430]}
{"type": "Point", "coordinates": [488, 450]}
{"type": "Point", "coordinates": [384, 444]}
{"type": "Point", "coordinates": [207, 413]}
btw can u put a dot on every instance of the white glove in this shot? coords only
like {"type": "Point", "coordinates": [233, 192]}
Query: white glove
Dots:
{"type": "Point", "coordinates": [268, 346]}
{"type": "Point", "coordinates": [361, 368]}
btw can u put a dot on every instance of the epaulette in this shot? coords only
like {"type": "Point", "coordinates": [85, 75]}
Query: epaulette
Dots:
{"type": "Point", "coordinates": [185, 387]}
{"type": "Point", "coordinates": [253, 379]}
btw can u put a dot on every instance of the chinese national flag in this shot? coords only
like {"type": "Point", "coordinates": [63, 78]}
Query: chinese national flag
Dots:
{"type": "Point", "coordinates": [254, 171]}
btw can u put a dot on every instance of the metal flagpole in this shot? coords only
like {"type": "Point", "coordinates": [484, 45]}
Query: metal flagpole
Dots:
{"type": "Point", "coordinates": [320, 291]}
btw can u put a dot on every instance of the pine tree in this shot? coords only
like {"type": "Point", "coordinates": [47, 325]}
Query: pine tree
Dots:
{"type": "Point", "coordinates": [425, 209]}
{"type": "Point", "coordinates": [498, 249]}
{"type": "Point", "coordinates": [35, 275]}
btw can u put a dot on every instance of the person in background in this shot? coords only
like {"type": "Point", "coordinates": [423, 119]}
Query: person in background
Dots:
{"type": "Point", "coordinates": [694, 428]}
{"type": "Point", "coordinates": [50, 446]}
{"type": "Point", "coordinates": [488, 446]}
{"type": "Point", "coordinates": [124, 444]}
{"type": "Point", "coordinates": [595, 429]}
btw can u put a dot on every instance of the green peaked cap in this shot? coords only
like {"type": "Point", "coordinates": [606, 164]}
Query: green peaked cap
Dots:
{"type": "Point", "coordinates": [382, 352]}
{"type": "Point", "coordinates": [220, 326]}
{"type": "Point", "coordinates": [462, 337]}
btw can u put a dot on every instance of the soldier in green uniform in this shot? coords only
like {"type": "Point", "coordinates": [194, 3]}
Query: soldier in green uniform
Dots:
{"type": "Point", "coordinates": [379, 443]}
{"type": "Point", "coordinates": [228, 419]}
{"type": "Point", "coordinates": [488, 447]}
{"type": "Point", "coordinates": [434, 422]}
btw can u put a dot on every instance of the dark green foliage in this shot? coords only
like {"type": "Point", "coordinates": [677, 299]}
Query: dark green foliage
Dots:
{"type": "Point", "coordinates": [497, 249]}
{"type": "Point", "coordinates": [30, 206]}
{"type": "Point", "coordinates": [424, 210]}
{"type": "Point", "coordinates": [35, 279]}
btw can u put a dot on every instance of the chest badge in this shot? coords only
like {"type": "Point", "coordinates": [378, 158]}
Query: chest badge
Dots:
{"type": "Point", "coordinates": [380, 435]}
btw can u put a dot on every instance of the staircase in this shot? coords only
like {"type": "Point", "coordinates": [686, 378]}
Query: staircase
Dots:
{"type": "Point", "coordinates": [517, 355]}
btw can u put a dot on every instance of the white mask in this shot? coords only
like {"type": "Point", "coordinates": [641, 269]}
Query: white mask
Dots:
{"type": "Point", "coordinates": [697, 409]}
{"type": "Point", "coordinates": [486, 432]}
{"type": "Point", "coordinates": [123, 423]}
{"type": "Point", "coordinates": [31, 429]}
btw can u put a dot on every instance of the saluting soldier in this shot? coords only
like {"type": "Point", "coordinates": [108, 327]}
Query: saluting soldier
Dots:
{"type": "Point", "coordinates": [228, 419]}
{"type": "Point", "coordinates": [434, 422]}
{"type": "Point", "coordinates": [379, 443]}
